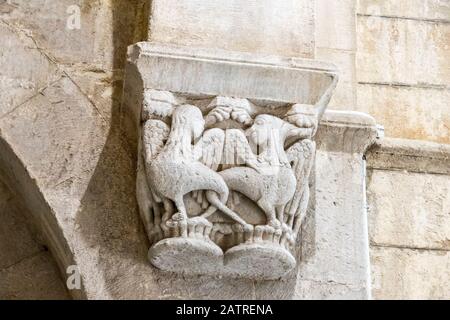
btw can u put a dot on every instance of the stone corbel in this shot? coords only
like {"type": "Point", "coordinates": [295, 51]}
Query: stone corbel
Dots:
{"type": "Point", "coordinates": [226, 148]}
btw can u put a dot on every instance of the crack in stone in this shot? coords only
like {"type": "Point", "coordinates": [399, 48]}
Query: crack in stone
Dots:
{"type": "Point", "coordinates": [347, 285]}
{"type": "Point", "coordinates": [39, 92]}
{"type": "Point", "coordinates": [408, 85]}
{"type": "Point", "coordinates": [444, 21]}
{"type": "Point", "coordinates": [404, 247]}
{"type": "Point", "coordinates": [57, 65]}
{"type": "Point", "coordinates": [31, 256]}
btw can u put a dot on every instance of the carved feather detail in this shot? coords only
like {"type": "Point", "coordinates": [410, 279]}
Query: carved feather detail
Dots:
{"type": "Point", "coordinates": [154, 136]}
{"type": "Point", "coordinates": [301, 157]}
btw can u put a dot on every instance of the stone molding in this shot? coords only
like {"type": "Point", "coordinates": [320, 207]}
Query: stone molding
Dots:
{"type": "Point", "coordinates": [410, 155]}
{"type": "Point", "coordinates": [346, 131]}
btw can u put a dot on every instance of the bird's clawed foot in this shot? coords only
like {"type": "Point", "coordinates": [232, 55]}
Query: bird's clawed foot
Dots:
{"type": "Point", "coordinates": [274, 223]}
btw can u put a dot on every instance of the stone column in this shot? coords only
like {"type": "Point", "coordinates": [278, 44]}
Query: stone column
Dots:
{"type": "Point", "coordinates": [225, 110]}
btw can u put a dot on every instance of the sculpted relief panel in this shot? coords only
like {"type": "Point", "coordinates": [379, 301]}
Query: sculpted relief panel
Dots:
{"type": "Point", "coordinates": [223, 183]}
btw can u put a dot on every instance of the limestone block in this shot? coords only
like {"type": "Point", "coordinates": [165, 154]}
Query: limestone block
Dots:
{"type": "Point", "coordinates": [408, 52]}
{"type": "Point", "coordinates": [35, 278]}
{"type": "Point", "coordinates": [422, 112]}
{"type": "Point", "coordinates": [345, 95]}
{"type": "Point", "coordinates": [415, 9]}
{"type": "Point", "coordinates": [283, 27]}
{"type": "Point", "coordinates": [335, 245]}
{"type": "Point", "coordinates": [410, 156]}
{"type": "Point", "coordinates": [60, 110]}
{"type": "Point", "coordinates": [408, 195]}
{"type": "Point", "coordinates": [59, 136]}
{"type": "Point", "coordinates": [410, 274]}
{"type": "Point", "coordinates": [98, 42]}
{"type": "Point", "coordinates": [409, 209]}
{"type": "Point", "coordinates": [25, 69]}
{"type": "Point", "coordinates": [336, 24]}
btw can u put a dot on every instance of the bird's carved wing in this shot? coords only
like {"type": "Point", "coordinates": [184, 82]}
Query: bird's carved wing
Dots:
{"type": "Point", "coordinates": [154, 136]}
{"type": "Point", "coordinates": [209, 149]}
{"type": "Point", "coordinates": [237, 149]}
{"type": "Point", "coordinates": [301, 156]}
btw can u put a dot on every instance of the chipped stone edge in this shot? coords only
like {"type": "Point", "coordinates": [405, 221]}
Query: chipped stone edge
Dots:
{"type": "Point", "coordinates": [346, 131]}
{"type": "Point", "coordinates": [409, 155]}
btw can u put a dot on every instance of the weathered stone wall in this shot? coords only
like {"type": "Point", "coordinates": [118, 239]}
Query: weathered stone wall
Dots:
{"type": "Point", "coordinates": [60, 146]}
{"type": "Point", "coordinates": [403, 66]}
{"type": "Point", "coordinates": [336, 42]}
{"type": "Point", "coordinates": [409, 219]}
{"type": "Point", "coordinates": [282, 27]}
{"type": "Point", "coordinates": [27, 269]}
{"type": "Point", "coordinates": [393, 57]}
{"type": "Point", "coordinates": [403, 80]}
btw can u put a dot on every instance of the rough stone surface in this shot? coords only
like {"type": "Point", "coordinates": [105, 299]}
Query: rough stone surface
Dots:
{"type": "Point", "coordinates": [35, 278]}
{"type": "Point", "coordinates": [16, 242]}
{"type": "Point", "coordinates": [90, 216]}
{"type": "Point", "coordinates": [27, 270]}
{"type": "Point", "coordinates": [336, 42]}
{"type": "Point", "coordinates": [283, 27]}
{"type": "Point", "coordinates": [335, 245]}
{"type": "Point", "coordinates": [414, 9]}
{"type": "Point", "coordinates": [410, 156]}
{"type": "Point", "coordinates": [399, 273]}
{"type": "Point", "coordinates": [408, 191]}
{"type": "Point", "coordinates": [59, 126]}
{"type": "Point", "coordinates": [401, 56]}
{"type": "Point", "coordinates": [403, 66]}
{"type": "Point", "coordinates": [409, 209]}
{"type": "Point", "coordinates": [422, 112]}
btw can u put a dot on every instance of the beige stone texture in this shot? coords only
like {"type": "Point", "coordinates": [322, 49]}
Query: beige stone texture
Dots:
{"type": "Point", "coordinates": [403, 66]}
{"type": "Point", "coordinates": [336, 42]}
{"type": "Point", "coordinates": [408, 193]}
{"type": "Point", "coordinates": [413, 9]}
{"type": "Point", "coordinates": [346, 94]}
{"type": "Point", "coordinates": [409, 209]}
{"type": "Point", "coordinates": [36, 278]}
{"type": "Point", "coordinates": [409, 156]}
{"type": "Point", "coordinates": [283, 27]}
{"type": "Point", "coordinates": [335, 24]}
{"type": "Point", "coordinates": [412, 274]}
{"type": "Point", "coordinates": [16, 242]}
{"type": "Point", "coordinates": [408, 112]}
{"type": "Point", "coordinates": [27, 270]}
{"type": "Point", "coordinates": [403, 51]}
{"type": "Point", "coordinates": [40, 41]}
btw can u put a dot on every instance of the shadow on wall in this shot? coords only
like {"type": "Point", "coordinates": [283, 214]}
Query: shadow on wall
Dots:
{"type": "Point", "coordinates": [27, 270]}
{"type": "Point", "coordinates": [108, 213]}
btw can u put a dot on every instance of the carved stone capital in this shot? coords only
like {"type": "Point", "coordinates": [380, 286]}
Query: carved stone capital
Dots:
{"type": "Point", "coordinates": [226, 148]}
